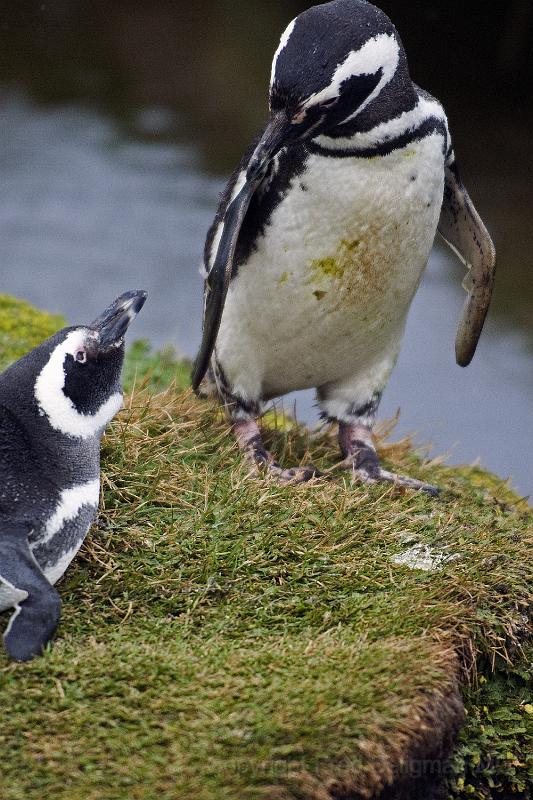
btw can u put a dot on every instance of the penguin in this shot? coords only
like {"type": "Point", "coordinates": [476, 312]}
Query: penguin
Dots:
{"type": "Point", "coordinates": [323, 232]}
{"type": "Point", "coordinates": [54, 405]}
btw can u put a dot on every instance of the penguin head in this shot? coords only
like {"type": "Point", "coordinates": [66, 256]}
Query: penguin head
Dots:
{"type": "Point", "coordinates": [333, 62]}
{"type": "Point", "coordinates": [78, 388]}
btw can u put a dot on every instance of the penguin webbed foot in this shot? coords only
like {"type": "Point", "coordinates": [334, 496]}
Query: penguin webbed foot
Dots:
{"type": "Point", "coordinates": [301, 474]}
{"type": "Point", "coordinates": [362, 460]}
{"type": "Point", "coordinates": [251, 443]}
{"type": "Point", "coordinates": [384, 476]}
{"type": "Point", "coordinates": [357, 447]}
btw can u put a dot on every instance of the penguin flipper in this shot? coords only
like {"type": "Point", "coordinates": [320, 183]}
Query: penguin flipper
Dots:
{"type": "Point", "coordinates": [36, 617]}
{"type": "Point", "coordinates": [463, 230]}
{"type": "Point", "coordinates": [218, 279]}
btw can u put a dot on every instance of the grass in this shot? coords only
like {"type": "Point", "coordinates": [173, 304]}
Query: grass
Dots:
{"type": "Point", "coordinates": [224, 637]}
{"type": "Point", "coordinates": [22, 327]}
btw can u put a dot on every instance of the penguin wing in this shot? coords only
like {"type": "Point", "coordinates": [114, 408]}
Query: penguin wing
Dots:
{"type": "Point", "coordinates": [463, 230]}
{"type": "Point", "coordinates": [219, 258]}
{"type": "Point", "coordinates": [219, 276]}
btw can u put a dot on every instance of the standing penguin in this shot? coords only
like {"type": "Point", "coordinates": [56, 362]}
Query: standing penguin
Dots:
{"type": "Point", "coordinates": [324, 231]}
{"type": "Point", "coordinates": [54, 405]}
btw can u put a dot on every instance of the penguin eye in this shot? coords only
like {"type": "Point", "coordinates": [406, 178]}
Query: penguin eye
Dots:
{"type": "Point", "coordinates": [81, 356]}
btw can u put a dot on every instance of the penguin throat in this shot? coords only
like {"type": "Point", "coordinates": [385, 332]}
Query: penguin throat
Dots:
{"type": "Point", "coordinates": [59, 409]}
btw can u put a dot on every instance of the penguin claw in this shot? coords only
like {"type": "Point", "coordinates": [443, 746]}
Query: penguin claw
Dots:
{"type": "Point", "coordinates": [293, 474]}
{"type": "Point", "coordinates": [401, 481]}
{"type": "Point", "coordinates": [362, 460]}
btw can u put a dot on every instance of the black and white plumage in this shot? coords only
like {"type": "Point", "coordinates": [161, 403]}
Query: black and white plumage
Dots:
{"type": "Point", "coordinates": [54, 405]}
{"type": "Point", "coordinates": [324, 231]}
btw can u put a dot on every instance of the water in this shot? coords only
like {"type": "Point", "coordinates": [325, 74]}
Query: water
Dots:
{"type": "Point", "coordinates": [87, 212]}
{"type": "Point", "coordinates": [86, 215]}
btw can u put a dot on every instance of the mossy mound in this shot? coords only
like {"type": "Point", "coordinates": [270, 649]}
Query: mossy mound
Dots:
{"type": "Point", "coordinates": [22, 327]}
{"type": "Point", "coordinates": [224, 637]}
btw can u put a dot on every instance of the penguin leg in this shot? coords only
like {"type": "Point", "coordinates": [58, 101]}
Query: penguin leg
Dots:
{"type": "Point", "coordinates": [356, 422]}
{"type": "Point", "coordinates": [249, 439]}
{"type": "Point", "coordinates": [243, 415]}
{"type": "Point", "coordinates": [36, 617]}
{"type": "Point", "coordinates": [360, 456]}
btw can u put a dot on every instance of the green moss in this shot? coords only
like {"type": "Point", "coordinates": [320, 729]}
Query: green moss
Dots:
{"type": "Point", "coordinates": [494, 755]}
{"type": "Point", "coordinates": [22, 327]}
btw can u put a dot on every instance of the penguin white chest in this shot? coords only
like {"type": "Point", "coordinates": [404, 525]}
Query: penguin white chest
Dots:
{"type": "Point", "coordinates": [327, 289]}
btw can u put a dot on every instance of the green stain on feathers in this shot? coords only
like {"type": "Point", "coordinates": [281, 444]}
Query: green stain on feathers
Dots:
{"type": "Point", "coordinates": [335, 267]}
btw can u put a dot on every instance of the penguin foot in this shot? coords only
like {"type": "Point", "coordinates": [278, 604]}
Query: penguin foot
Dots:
{"type": "Point", "coordinates": [249, 439]}
{"type": "Point", "coordinates": [293, 474]}
{"type": "Point", "coordinates": [361, 458]}
{"type": "Point", "coordinates": [383, 476]}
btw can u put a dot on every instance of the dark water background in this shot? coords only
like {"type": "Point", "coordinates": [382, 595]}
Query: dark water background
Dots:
{"type": "Point", "coordinates": [120, 121]}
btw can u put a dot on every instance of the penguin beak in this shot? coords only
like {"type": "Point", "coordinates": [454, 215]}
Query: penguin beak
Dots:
{"type": "Point", "coordinates": [277, 133]}
{"type": "Point", "coordinates": [113, 323]}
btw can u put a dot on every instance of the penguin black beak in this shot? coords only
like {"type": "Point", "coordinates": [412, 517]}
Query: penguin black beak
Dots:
{"type": "Point", "coordinates": [113, 323]}
{"type": "Point", "coordinates": [277, 133]}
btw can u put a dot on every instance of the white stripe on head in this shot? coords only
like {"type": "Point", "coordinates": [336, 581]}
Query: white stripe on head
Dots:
{"type": "Point", "coordinates": [286, 35]}
{"type": "Point", "coordinates": [389, 130]}
{"type": "Point", "coordinates": [380, 52]}
{"type": "Point", "coordinates": [58, 408]}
